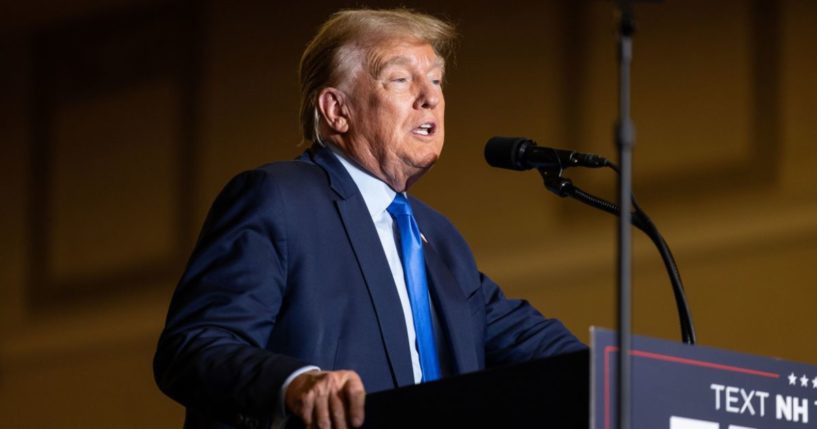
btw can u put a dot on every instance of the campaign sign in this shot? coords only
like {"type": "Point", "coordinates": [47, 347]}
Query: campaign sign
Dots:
{"type": "Point", "coordinates": [678, 386]}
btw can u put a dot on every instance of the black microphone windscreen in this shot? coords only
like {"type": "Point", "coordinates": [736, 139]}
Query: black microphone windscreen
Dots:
{"type": "Point", "coordinates": [503, 152]}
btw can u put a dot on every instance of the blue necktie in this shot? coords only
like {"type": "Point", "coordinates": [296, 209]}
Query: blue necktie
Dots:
{"type": "Point", "coordinates": [414, 269]}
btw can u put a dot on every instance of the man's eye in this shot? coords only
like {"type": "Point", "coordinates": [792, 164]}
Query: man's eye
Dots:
{"type": "Point", "coordinates": [437, 82]}
{"type": "Point", "coordinates": [399, 79]}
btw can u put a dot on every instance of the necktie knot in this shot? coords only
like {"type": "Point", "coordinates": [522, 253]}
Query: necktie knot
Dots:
{"type": "Point", "coordinates": [400, 206]}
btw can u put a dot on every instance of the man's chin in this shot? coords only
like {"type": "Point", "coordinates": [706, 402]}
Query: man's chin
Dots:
{"type": "Point", "coordinates": [423, 163]}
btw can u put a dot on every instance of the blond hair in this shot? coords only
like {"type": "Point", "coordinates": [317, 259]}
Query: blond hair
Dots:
{"type": "Point", "coordinates": [322, 63]}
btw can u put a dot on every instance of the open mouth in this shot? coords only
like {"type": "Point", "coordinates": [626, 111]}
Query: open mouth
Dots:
{"type": "Point", "coordinates": [425, 129]}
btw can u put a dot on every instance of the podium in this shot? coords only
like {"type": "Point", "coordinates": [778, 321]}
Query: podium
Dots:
{"type": "Point", "coordinates": [675, 386]}
{"type": "Point", "coordinates": [551, 392]}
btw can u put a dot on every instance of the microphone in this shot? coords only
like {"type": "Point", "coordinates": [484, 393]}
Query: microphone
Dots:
{"type": "Point", "coordinates": [520, 153]}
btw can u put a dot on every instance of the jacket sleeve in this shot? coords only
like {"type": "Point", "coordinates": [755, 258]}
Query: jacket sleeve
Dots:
{"type": "Point", "coordinates": [212, 356]}
{"type": "Point", "coordinates": [517, 332]}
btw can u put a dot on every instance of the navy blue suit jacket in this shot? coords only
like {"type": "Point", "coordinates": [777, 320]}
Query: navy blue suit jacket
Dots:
{"type": "Point", "coordinates": [289, 271]}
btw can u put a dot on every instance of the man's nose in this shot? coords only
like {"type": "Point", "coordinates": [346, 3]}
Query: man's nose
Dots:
{"type": "Point", "coordinates": [428, 96]}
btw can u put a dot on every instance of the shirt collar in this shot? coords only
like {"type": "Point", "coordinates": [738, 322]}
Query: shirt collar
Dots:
{"type": "Point", "coordinates": [376, 194]}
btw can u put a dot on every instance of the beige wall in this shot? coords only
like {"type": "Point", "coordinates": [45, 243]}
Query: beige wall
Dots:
{"type": "Point", "coordinates": [104, 186]}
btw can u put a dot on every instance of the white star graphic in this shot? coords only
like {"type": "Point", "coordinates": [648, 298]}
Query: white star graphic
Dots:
{"type": "Point", "coordinates": [804, 381]}
{"type": "Point", "coordinates": [814, 383]}
{"type": "Point", "coordinates": [792, 379]}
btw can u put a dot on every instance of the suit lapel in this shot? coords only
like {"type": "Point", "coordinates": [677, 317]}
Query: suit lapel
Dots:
{"type": "Point", "coordinates": [373, 264]}
{"type": "Point", "coordinates": [452, 310]}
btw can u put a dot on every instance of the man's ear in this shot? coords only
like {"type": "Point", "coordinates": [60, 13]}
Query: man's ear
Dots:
{"type": "Point", "coordinates": [333, 109]}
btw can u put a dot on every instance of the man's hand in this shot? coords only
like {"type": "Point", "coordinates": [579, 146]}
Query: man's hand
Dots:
{"type": "Point", "coordinates": [327, 399]}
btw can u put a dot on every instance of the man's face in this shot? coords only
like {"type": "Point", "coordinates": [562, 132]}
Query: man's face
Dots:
{"type": "Point", "coordinates": [397, 112]}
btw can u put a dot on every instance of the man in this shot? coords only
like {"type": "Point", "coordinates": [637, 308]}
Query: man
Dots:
{"type": "Point", "coordinates": [317, 280]}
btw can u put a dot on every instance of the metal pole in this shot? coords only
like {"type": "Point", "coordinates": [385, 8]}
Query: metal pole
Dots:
{"type": "Point", "coordinates": [625, 139]}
